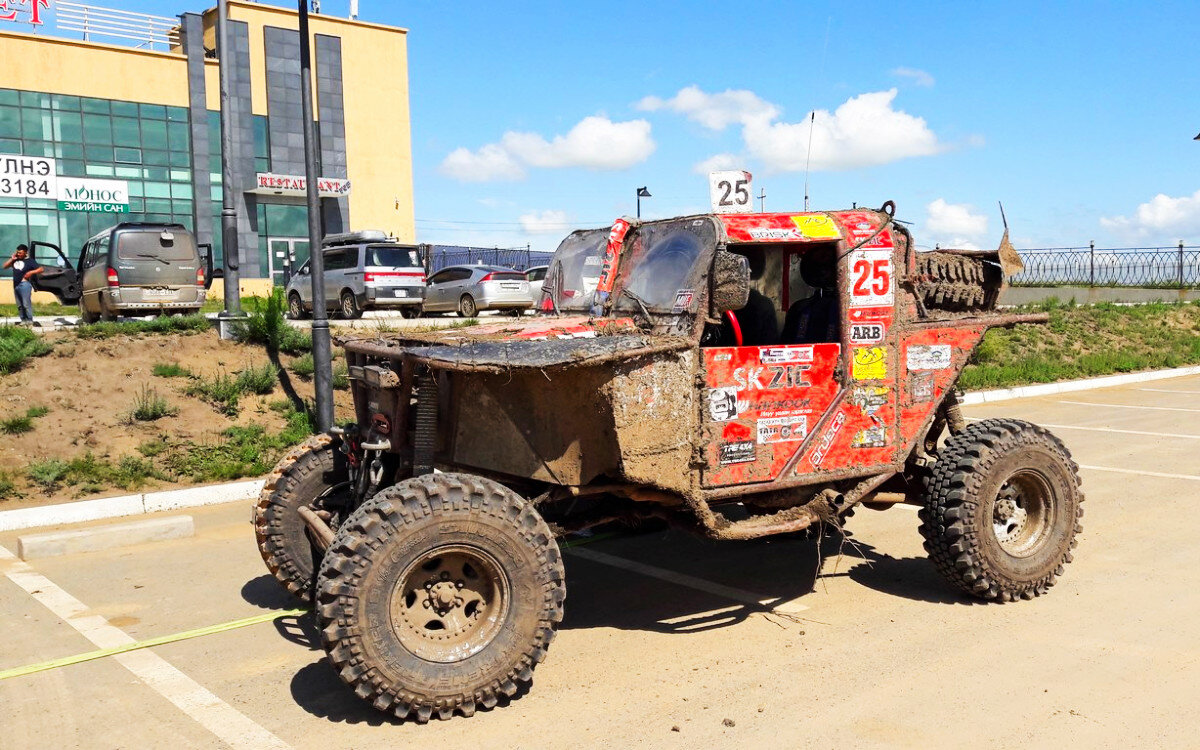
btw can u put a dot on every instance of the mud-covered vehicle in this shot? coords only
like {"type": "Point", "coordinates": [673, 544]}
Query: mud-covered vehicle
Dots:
{"type": "Point", "coordinates": [740, 375]}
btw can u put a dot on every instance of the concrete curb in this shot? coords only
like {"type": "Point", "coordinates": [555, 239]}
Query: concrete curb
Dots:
{"type": "Point", "coordinates": [1069, 386]}
{"type": "Point", "coordinates": [128, 505]}
{"type": "Point", "coordinates": [112, 536]}
{"type": "Point", "coordinates": [213, 494]}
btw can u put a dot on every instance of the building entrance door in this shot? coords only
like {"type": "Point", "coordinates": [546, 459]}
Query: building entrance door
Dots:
{"type": "Point", "coordinates": [284, 255]}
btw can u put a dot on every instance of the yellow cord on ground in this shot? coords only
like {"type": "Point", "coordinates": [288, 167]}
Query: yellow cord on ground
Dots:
{"type": "Point", "coordinates": [101, 653]}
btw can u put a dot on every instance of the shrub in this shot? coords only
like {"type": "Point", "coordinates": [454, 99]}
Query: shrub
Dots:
{"type": "Point", "coordinates": [17, 345]}
{"type": "Point", "coordinates": [221, 391]}
{"type": "Point", "coordinates": [92, 473]}
{"type": "Point", "coordinates": [303, 365]}
{"type": "Point", "coordinates": [148, 406]}
{"type": "Point", "coordinates": [16, 425]}
{"type": "Point", "coordinates": [260, 380]}
{"type": "Point", "coordinates": [34, 412]}
{"type": "Point", "coordinates": [8, 485]}
{"type": "Point", "coordinates": [341, 377]}
{"type": "Point", "coordinates": [266, 324]}
{"type": "Point", "coordinates": [171, 370]}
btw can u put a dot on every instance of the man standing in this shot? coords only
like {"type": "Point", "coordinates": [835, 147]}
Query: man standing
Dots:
{"type": "Point", "coordinates": [24, 269]}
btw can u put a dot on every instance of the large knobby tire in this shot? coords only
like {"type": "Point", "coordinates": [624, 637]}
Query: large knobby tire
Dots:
{"type": "Point", "coordinates": [313, 472]}
{"type": "Point", "coordinates": [440, 594]}
{"type": "Point", "coordinates": [1002, 508]}
{"type": "Point", "coordinates": [947, 281]}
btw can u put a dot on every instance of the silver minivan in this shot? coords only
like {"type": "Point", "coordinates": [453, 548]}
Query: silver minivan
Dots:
{"type": "Point", "coordinates": [129, 269]}
{"type": "Point", "coordinates": [363, 270]}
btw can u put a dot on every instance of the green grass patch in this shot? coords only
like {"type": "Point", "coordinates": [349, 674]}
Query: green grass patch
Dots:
{"type": "Point", "coordinates": [221, 391]}
{"type": "Point", "coordinates": [162, 324]}
{"type": "Point", "coordinates": [239, 452]}
{"type": "Point", "coordinates": [23, 423]}
{"type": "Point", "coordinates": [8, 485]}
{"type": "Point", "coordinates": [149, 405]}
{"type": "Point", "coordinates": [18, 344]}
{"type": "Point", "coordinates": [41, 309]}
{"type": "Point", "coordinates": [91, 473]}
{"type": "Point", "coordinates": [170, 370]}
{"type": "Point", "coordinates": [303, 365]}
{"type": "Point", "coordinates": [1086, 341]}
{"type": "Point", "coordinates": [266, 324]}
{"type": "Point", "coordinates": [260, 380]}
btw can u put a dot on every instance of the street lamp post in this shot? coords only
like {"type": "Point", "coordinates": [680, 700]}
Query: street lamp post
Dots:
{"type": "Point", "coordinates": [642, 192]}
{"type": "Point", "coordinates": [229, 230]}
{"type": "Point", "coordinates": [322, 361]}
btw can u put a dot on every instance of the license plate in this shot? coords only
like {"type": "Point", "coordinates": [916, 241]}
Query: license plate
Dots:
{"type": "Point", "coordinates": [510, 285]}
{"type": "Point", "coordinates": [400, 292]}
{"type": "Point", "coordinates": [158, 293]}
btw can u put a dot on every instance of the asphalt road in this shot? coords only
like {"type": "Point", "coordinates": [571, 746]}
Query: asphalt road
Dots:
{"type": "Point", "coordinates": [666, 641]}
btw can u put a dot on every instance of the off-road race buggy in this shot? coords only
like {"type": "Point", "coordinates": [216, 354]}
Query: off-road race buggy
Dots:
{"type": "Point", "coordinates": [741, 375]}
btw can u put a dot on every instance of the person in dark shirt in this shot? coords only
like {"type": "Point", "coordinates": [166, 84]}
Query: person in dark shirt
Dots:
{"type": "Point", "coordinates": [24, 269]}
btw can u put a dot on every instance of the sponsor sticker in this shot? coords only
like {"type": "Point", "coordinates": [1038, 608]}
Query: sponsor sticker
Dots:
{"type": "Point", "coordinates": [771, 377]}
{"type": "Point", "coordinates": [934, 357]}
{"type": "Point", "coordinates": [831, 432]}
{"type": "Point", "coordinates": [867, 333]}
{"type": "Point", "coordinates": [782, 355]}
{"type": "Point", "coordinates": [770, 233]}
{"type": "Point", "coordinates": [869, 399]}
{"type": "Point", "coordinates": [782, 429]}
{"type": "Point", "coordinates": [722, 403]}
{"type": "Point", "coordinates": [683, 300]}
{"type": "Point", "coordinates": [870, 363]}
{"type": "Point", "coordinates": [818, 227]}
{"type": "Point", "coordinates": [920, 385]}
{"type": "Point", "coordinates": [872, 437]}
{"type": "Point", "coordinates": [741, 452]}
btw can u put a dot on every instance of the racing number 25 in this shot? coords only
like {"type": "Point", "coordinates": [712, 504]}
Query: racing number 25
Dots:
{"type": "Point", "coordinates": [875, 273]}
{"type": "Point", "coordinates": [739, 191]}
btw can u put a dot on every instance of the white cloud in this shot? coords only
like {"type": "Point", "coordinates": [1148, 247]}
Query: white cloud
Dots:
{"type": "Point", "coordinates": [714, 111]}
{"type": "Point", "coordinates": [488, 163]}
{"type": "Point", "coordinates": [864, 131]}
{"type": "Point", "coordinates": [1161, 219]}
{"type": "Point", "coordinates": [954, 225]}
{"type": "Point", "coordinates": [918, 77]}
{"type": "Point", "coordinates": [594, 143]}
{"type": "Point", "coordinates": [718, 163]}
{"type": "Point", "coordinates": [546, 222]}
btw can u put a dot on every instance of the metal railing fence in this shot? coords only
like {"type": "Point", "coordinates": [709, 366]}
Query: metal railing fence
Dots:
{"type": "Point", "coordinates": [519, 258]}
{"type": "Point", "coordinates": [1175, 267]}
{"type": "Point", "coordinates": [143, 29]}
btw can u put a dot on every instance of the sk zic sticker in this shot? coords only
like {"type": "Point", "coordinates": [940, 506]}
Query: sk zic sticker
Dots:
{"type": "Point", "coordinates": [870, 363]}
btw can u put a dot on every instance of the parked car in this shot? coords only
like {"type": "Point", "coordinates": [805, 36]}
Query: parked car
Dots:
{"type": "Point", "coordinates": [129, 269]}
{"type": "Point", "coordinates": [536, 276]}
{"type": "Point", "coordinates": [363, 270]}
{"type": "Point", "coordinates": [469, 289]}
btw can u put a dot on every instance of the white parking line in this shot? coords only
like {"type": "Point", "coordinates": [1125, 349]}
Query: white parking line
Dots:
{"type": "Point", "coordinates": [1164, 390]}
{"type": "Point", "coordinates": [1139, 472]}
{"type": "Point", "coordinates": [212, 713]}
{"type": "Point", "coordinates": [1106, 429]}
{"type": "Point", "coordinates": [1129, 406]}
{"type": "Point", "coordinates": [691, 582]}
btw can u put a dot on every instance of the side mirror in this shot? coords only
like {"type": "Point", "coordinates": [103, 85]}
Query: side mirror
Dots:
{"type": "Point", "coordinates": [730, 283]}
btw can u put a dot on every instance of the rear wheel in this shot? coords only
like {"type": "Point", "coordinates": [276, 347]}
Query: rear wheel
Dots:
{"type": "Point", "coordinates": [105, 313]}
{"type": "Point", "coordinates": [296, 307]}
{"type": "Point", "coordinates": [1002, 509]}
{"type": "Point", "coordinates": [86, 316]}
{"type": "Point", "coordinates": [467, 307]}
{"type": "Point", "coordinates": [313, 474]}
{"type": "Point", "coordinates": [350, 307]}
{"type": "Point", "coordinates": [440, 594]}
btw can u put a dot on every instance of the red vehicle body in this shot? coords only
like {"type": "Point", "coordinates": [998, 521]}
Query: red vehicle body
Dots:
{"type": "Point", "coordinates": [741, 375]}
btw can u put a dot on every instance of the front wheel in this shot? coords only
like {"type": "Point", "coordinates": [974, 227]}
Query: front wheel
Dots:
{"type": "Point", "coordinates": [1002, 508]}
{"type": "Point", "coordinates": [467, 307]}
{"type": "Point", "coordinates": [440, 594]}
{"type": "Point", "coordinates": [296, 307]}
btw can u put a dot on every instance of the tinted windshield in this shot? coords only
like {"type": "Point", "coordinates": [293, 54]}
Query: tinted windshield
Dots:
{"type": "Point", "coordinates": [170, 244]}
{"type": "Point", "coordinates": [666, 265]}
{"type": "Point", "coordinates": [575, 269]}
{"type": "Point", "coordinates": [395, 257]}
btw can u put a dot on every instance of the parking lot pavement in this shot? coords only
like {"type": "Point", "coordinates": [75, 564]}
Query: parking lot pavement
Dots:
{"type": "Point", "coordinates": [667, 641]}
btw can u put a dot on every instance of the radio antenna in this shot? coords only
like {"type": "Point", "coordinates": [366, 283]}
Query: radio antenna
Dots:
{"type": "Point", "coordinates": [812, 122]}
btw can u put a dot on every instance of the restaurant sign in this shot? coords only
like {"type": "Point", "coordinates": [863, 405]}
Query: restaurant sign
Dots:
{"type": "Point", "coordinates": [289, 184]}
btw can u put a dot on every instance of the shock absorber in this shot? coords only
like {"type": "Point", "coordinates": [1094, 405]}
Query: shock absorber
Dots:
{"type": "Point", "coordinates": [953, 410]}
{"type": "Point", "coordinates": [425, 431]}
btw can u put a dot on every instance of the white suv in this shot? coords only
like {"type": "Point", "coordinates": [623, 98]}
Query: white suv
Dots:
{"type": "Point", "coordinates": [363, 270]}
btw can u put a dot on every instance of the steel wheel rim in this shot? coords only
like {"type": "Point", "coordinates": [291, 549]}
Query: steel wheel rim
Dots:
{"type": "Point", "coordinates": [450, 603]}
{"type": "Point", "coordinates": [1023, 513]}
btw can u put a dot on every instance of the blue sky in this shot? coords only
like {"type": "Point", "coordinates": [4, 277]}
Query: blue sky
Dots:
{"type": "Point", "coordinates": [530, 119]}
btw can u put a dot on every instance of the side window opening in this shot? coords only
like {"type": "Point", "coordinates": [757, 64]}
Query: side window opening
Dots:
{"type": "Point", "coordinates": [813, 311]}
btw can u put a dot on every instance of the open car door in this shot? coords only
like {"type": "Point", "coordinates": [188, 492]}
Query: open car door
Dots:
{"type": "Point", "coordinates": [59, 278]}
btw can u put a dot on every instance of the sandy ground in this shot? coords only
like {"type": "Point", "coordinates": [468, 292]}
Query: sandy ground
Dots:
{"type": "Point", "coordinates": [660, 647]}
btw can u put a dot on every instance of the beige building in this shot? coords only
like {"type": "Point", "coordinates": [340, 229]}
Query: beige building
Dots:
{"type": "Point", "coordinates": [129, 120]}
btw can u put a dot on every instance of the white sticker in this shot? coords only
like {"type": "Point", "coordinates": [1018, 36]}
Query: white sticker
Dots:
{"type": "Point", "coordinates": [791, 429]}
{"type": "Point", "coordinates": [783, 355]}
{"type": "Point", "coordinates": [722, 403]}
{"type": "Point", "coordinates": [934, 357]}
{"type": "Point", "coordinates": [730, 192]}
{"type": "Point", "coordinates": [867, 333]}
{"type": "Point", "coordinates": [870, 278]}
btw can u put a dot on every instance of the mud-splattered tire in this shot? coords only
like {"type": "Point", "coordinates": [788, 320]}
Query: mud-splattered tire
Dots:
{"type": "Point", "coordinates": [313, 470]}
{"type": "Point", "coordinates": [452, 542]}
{"type": "Point", "coordinates": [954, 282]}
{"type": "Point", "coordinates": [87, 317]}
{"type": "Point", "coordinates": [1002, 509]}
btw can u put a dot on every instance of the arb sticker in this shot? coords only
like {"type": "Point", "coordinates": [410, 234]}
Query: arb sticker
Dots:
{"type": "Point", "coordinates": [782, 429]}
{"type": "Point", "coordinates": [870, 363]}
{"type": "Point", "coordinates": [871, 278]}
{"type": "Point", "coordinates": [867, 333]}
{"type": "Point", "coordinates": [737, 453]}
{"type": "Point", "coordinates": [935, 357]}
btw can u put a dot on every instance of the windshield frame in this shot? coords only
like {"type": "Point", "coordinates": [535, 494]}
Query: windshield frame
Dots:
{"type": "Point", "coordinates": [579, 248]}
{"type": "Point", "coordinates": [651, 239]}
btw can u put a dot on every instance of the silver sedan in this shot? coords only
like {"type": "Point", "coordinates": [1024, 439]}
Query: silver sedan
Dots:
{"type": "Point", "coordinates": [469, 289]}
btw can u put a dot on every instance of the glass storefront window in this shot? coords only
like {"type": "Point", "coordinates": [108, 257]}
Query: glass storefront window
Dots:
{"type": "Point", "coordinates": [97, 129]}
{"type": "Point", "coordinates": [68, 127]}
{"type": "Point", "coordinates": [128, 156]}
{"type": "Point", "coordinates": [154, 134]}
{"type": "Point", "coordinates": [125, 131]}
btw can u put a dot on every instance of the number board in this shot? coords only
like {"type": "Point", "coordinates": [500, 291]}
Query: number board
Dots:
{"type": "Point", "coordinates": [730, 192]}
{"type": "Point", "coordinates": [871, 278]}
{"type": "Point", "coordinates": [27, 177]}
